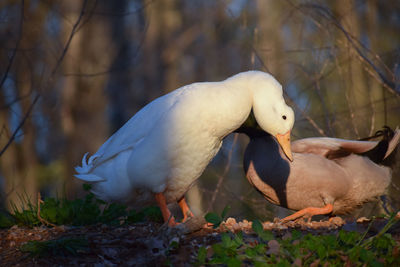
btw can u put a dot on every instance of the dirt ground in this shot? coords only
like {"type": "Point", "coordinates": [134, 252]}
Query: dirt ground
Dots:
{"type": "Point", "coordinates": [150, 244]}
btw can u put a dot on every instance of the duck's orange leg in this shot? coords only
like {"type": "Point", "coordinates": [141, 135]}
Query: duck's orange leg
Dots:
{"type": "Point", "coordinates": [162, 203]}
{"type": "Point", "coordinates": [185, 209]}
{"type": "Point", "coordinates": [311, 211]}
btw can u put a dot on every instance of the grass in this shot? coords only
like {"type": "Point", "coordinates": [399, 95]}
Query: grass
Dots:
{"type": "Point", "coordinates": [264, 248]}
{"type": "Point", "coordinates": [77, 212]}
{"type": "Point", "coordinates": [296, 248]}
{"type": "Point", "coordinates": [56, 247]}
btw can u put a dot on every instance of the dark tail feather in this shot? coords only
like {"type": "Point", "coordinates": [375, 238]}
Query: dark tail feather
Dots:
{"type": "Point", "coordinates": [382, 153]}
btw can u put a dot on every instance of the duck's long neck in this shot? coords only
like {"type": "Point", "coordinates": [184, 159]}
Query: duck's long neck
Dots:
{"type": "Point", "coordinates": [232, 106]}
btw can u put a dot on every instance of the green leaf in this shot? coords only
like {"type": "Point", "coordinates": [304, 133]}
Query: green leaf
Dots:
{"type": "Point", "coordinates": [226, 240]}
{"type": "Point", "coordinates": [259, 230]}
{"type": "Point", "coordinates": [257, 227]}
{"type": "Point", "coordinates": [261, 264]}
{"type": "Point", "coordinates": [250, 252]}
{"type": "Point", "coordinates": [296, 234]}
{"type": "Point", "coordinates": [238, 238]}
{"type": "Point", "coordinates": [6, 220]}
{"type": "Point", "coordinates": [218, 250]}
{"type": "Point", "coordinates": [63, 246]}
{"type": "Point", "coordinates": [201, 255]}
{"type": "Point", "coordinates": [213, 218]}
{"type": "Point", "coordinates": [134, 216]}
{"type": "Point", "coordinates": [233, 262]}
{"type": "Point", "coordinates": [153, 214]}
{"type": "Point", "coordinates": [87, 187]}
{"type": "Point", "coordinates": [225, 212]}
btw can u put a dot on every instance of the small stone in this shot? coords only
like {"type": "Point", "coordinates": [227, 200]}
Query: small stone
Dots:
{"type": "Point", "coordinates": [281, 227]}
{"type": "Point", "coordinates": [338, 221]}
{"type": "Point", "coordinates": [363, 220]}
{"type": "Point", "coordinates": [230, 220]}
{"type": "Point", "coordinates": [274, 247]}
{"type": "Point", "coordinates": [210, 251]}
{"type": "Point", "coordinates": [297, 262]}
{"type": "Point", "coordinates": [286, 236]}
{"type": "Point", "coordinates": [236, 227]}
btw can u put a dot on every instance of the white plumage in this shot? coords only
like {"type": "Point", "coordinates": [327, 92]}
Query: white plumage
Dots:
{"type": "Point", "coordinates": [166, 146]}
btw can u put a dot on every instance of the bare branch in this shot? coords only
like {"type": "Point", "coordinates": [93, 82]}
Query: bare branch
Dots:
{"type": "Point", "coordinates": [37, 96]}
{"type": "Point", "coordinates": [14, 52]}
{"type": "Point", "coordinates": [224, 173]}
{"type": "Point", "coordinates": [20, 125]}
{"type": "Point", "coordinates": [74, 30]}
{"type": "Point", "coordinates": [325, 12]}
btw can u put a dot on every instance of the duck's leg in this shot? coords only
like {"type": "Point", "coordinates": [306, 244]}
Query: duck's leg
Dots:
{"type": "Point", "coordinates": [162, 203]}
{"type": "Point", "coordinates": [185, 209]}
{"type": "Point", "coordinates": [311, 211]}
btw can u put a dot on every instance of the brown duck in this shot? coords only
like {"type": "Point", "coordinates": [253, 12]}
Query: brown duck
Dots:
{"type": "Point", "coordinates": [327, 175]}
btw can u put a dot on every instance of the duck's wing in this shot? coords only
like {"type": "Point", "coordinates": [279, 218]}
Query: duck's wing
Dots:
{"type": "Point", "coordinates": [130, 134]}
{"type": "Point", "coordinates": [336, 148]}
{"type": "Point", "coordinates": [331, 147]}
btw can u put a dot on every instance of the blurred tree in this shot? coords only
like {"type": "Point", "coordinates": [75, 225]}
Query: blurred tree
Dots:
{"type": "Point", "coordinates": [83, 98]}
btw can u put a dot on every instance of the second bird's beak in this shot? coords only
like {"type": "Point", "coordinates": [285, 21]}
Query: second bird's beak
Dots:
{"type": "Point", "coordinates": [284, 142]}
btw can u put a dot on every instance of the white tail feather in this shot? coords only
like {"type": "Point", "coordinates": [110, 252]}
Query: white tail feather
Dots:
{"type": "Point", "coordinates": [90, 177]}
{"type": "Point", "coordinates": [83, 172]}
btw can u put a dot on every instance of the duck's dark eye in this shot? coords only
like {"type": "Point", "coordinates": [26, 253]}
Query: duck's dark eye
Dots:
{"type": "Point", "coordinates": [284, 117]}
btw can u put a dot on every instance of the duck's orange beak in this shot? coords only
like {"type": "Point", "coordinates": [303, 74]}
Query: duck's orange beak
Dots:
{"type": "Point", "coordinates": [284, 142]}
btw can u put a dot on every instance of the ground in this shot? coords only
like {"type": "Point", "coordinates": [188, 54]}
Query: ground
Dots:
{"type": "Point", "coordinates": [148, 244]}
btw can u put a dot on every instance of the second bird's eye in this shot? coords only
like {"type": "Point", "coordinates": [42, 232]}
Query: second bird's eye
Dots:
{"type": "Point", "coordinates": [284, 117]}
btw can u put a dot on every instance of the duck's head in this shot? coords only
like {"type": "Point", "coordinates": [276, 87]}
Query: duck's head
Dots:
{"type": "Point", "coordinates": [270, 110]}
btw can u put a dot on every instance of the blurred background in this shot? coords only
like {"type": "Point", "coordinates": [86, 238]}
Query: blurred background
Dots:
{"type": "Point", "coordinates": [72, 72]}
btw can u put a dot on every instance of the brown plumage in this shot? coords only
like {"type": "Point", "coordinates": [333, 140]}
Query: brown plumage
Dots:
{"type": "Point", "coordinates": [327, 175]}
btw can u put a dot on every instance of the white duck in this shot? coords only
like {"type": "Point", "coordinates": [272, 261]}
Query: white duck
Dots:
{"type": "Point", "coordinates": [166, 146]}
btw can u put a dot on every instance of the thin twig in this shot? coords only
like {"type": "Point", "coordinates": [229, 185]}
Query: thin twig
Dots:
{"type": "Point", "coordinates": [43, 221]}
{"type": "Point", "coordinates": [20, 125]}
{"type": "Point", "coordinates": [36, 98]}
{"type": "Point", "coordinates": [74, 29]}
{"type": "Point", "coordinates": [308, 118]}
{"type": "Point", "coordinates": [14, 52]}
{"type": "Point", "coordinates": [391, 86]}
{"type": "Point", "coordinates": [224, 173]}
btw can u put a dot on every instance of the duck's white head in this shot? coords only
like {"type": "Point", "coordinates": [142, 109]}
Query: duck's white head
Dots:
{"type": "Point", "coordinates": [270, 110]}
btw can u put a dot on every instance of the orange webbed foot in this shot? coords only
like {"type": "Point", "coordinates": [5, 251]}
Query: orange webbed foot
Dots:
{"type": "Point", "coordinates": [187, 213]}
{"type": "Point", "coordinates": [166, 213]}
{"type": "Point", "coordinates": [309, 212]}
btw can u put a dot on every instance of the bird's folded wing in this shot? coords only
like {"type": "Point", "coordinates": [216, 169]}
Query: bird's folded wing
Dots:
{"type": "Point", "coordinates": [331, 147]}
{"type": "Point", "coordinates": [335, 148]}
{"type": "Point", "coordinates": [134, 131]}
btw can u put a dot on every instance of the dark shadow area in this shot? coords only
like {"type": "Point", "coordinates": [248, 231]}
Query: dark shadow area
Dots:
{"type": "Point", "coordinates": [271, 167]}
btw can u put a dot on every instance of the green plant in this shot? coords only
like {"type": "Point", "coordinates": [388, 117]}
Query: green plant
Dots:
{"type": "Point", "coordinates": [215, 218]}
{"type": "Point", "coordinates": [27, 214]}
{"type": "Point", "coordinates": [86, 211]}
{"type": "Point", "coordinates": [63, 246]}
{"type": "Point", "coordinates": [266, 249]}
{"type": "Point", "coordinates": [6, 219]}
